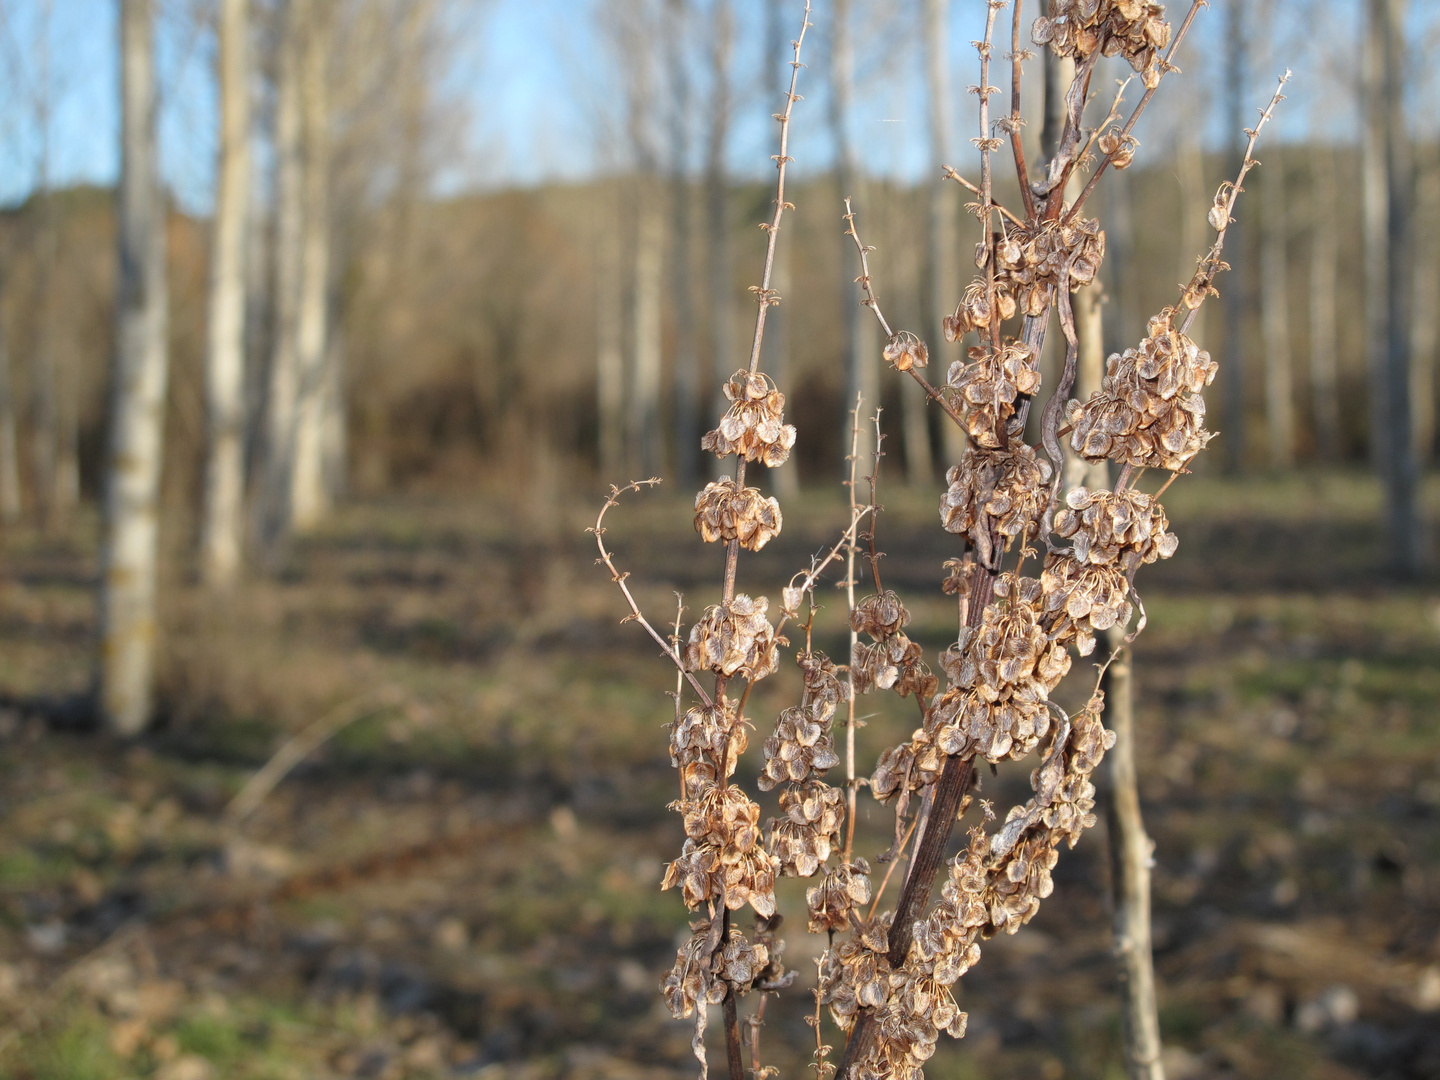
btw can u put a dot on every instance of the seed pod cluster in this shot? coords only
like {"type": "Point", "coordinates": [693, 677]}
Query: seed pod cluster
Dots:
{"type": "Point", "coordinates": [734, 639]}
{"type": "Point", "coordinates": [1134, 29]}
{"type": "Point", "coordinates": [996, 496]}
{"type": "Point", "coordinates": [723, 857]}
{"type": "Point", "coordinates": [753, 427]}
{"type": "Point", "coordinates": [803, 839]}
{"type": "Point", "coordinates": [1149, 410]}
{"type": "Point", "coordinates": [976, 312]}
{"type": "Point", "coordinates": [704, 736]}
{"type": "Point", "coordinates": [1082, 599]}
{"type": "Point", "coordinates": [702, 977]}
{"type": "Point", "coordinates": [905, 351]}
{"type": "Point", "coordinates": [725, 511]}
{"type": "Point", "coordinates": [840, 892]}
{"type": "Point", "coordinates": [989, 386]}
{"type": "Point", "coordinates": [800, 746]}
{"type": "Point", "coordinates": [893, 661]}
{"type": "Point", "coordinates": [1030, 262]}
{"type": "Point", "coordinates": [1108, 527]}
{"type": "Point", "coordinates": [856, 973]}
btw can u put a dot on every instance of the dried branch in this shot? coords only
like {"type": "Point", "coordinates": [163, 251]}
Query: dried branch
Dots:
{"type": "Point", "coordinates": [874, 305]}
{"type": "Point", "coordinates": [618, 578]}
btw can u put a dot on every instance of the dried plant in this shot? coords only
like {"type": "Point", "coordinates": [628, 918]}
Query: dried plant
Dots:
{"type": "Point", "coordinates": [887, 974]}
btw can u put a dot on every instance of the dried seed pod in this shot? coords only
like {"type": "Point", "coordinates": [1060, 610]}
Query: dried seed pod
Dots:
{"type": "Point", "coordinates": [1125, 528]}
{"type": "Point", "coordinates": [1082, 599]}
{"type": "Point", "coordinates": [881, 616]}
{"type": "Point", "coordinates": [725, 511]}
{"type": "Point", "coordinates": [1134, 29]}
{"type": "Point", "coordinates": [905, 351]}
{"type": "Point", "coordinates": [800, 747]}
{"type": "Point", "coordinates": [856, 973]}
{"type": "Point", "coordinates": [723, 857]}
{"type": "Point", "coordinates": [803, 840]}
{"type": "Point", "coordinates": [734, 639]}
{"type": "Point", "coordinates": [1149, 410]}
{"type": "Point", "coordinates": [708, 735]}
{"type": "Point", "coordinates": [989, 386]}
{"type": "Point", "coordinates": [753, 426]}
{"type": "Point", "coordinates": [996, 496]}
{"type": "Point", "coordinates": [843, 889]}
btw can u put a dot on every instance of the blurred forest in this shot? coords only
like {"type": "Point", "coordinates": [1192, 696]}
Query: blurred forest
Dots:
{"type": "Point", "coordinates": [387, 388]}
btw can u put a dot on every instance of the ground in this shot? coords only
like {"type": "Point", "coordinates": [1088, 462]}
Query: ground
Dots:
{"type": "Point", "coordinates": [464, 879]}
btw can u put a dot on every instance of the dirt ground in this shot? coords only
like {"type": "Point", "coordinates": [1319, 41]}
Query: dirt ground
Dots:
{"type": "Point", "coordinates": [463, 881]}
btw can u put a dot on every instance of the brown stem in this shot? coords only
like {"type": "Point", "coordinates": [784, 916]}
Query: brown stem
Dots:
{"type": "Point", "coordinates": [955, 779]}
{"type": "Point", "coordinates": [733, 1054]}
{"type": "Point", "coordinates": [1017, 145]}
{"type": "Point", "coordinates": [764, 294]}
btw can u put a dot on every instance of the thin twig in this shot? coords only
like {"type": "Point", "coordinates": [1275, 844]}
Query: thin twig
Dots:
{"type": "Point", "coordinates": [1016, 121]}
{"type": "Point", "coordinates": [1200, 286]}
{"type": "Point", "coordinates": [952, 174]}
{"type": "Point", "coordinates": [850, 786]}
{"type": "Point", "coordinates": [874, 305]}
{"type": "Point", "coordinates": [616, 576]}
{"type": "Point", "coordinates": [300, 746]}
{"type": "Point", "coordinates": [899, 851]}
{"type": "Point", "coordinates": [764, 293]}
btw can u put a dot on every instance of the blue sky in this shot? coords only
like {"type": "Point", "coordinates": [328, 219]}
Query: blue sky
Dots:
{"type": "Point", "coordinates": [537, 85]}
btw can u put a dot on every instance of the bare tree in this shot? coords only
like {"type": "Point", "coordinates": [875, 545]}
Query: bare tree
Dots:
{"type": "Point", "coordinates": [609, 339]}
{"type": "Point", "coordinates": [941, 243]}
{"type": "Point", "coordinates": [283, 389]}
{"type": "Point", "coordinates": [678, 16]}
{"type": "Point", "coordinates": [1387, 191]}
{"type": "Point", "coordinates": [223, 524]}
{"type": "Point", "coordinates": [1424, 323]}
{"type": "Point", "coordinates": [1235, 299]}
{"type": "Point", "coordinates": [1324, 324]}
{"type": "Point", "coordinates": [1274, 299]}
{"type": "Point", "coordinates": [315, 389]}
{"type": "Point", "coordinates": [721, 38]}
{"type": "Point", "coordinates": [862, 376]}
{"type": "Point", "coordinates": [137, 402]}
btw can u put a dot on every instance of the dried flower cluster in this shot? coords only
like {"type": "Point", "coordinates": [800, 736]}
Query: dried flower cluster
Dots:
{"type": "Point", "coordinates": [990, 387]}
{"type": "Point", "coordinates": [892, 661]}
{"type": "Point", "coordinates": [1149, 411]}
{"type": "Point", "coordinates": [1134, 29]}
{"type": "Point", "coordinates": [888, 974]}
{"type": "Point", "coordinates": [725, 511]}
{"type": "Point", "coordinates": [734, 638]}
{"type": "Point", "coordinates": [754, 427]}
{"type": "Point", "coordinates": [996, 497]}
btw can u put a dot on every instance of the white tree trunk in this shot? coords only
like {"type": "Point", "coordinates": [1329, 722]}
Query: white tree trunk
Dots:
{"type": "Point", "coordinates": [1274, 298]}
{"type": "Point", "coordinates": [862, 362]}
{"type": "Point", "coordinates": [1423, 315]}
{"type": "Point", "coordinates": [1388, 199]}
{"type": "Point", "coordinates": [309, 496]}
{"type": "Point", "coordinates": [284, 377]}
{"type": "Point", "coordinates": [645, 344]}
{"type": "Point", "coordinates": [609, 339]}
{"type": "Point", "coordinates": [9, 455]}
{"type": "Point", "coordinates": [723, 360]}
{"type": "Point", "coordinates": [1324, 326]}
{"type": "Point", "coordinates": [137, 403]}
{"type": "Point", "coordinates": [940, 291]}
{"type": "Point", "coordinates": [222, 526]}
